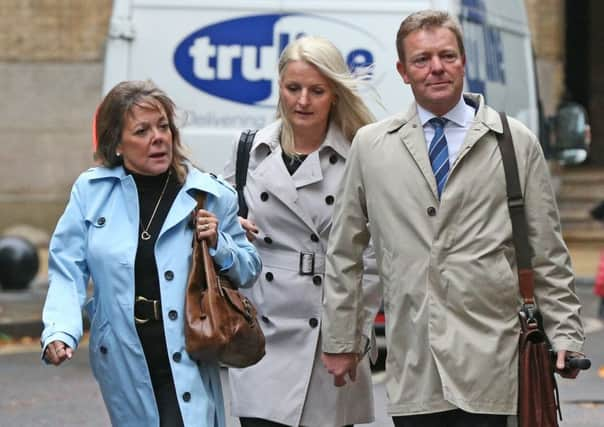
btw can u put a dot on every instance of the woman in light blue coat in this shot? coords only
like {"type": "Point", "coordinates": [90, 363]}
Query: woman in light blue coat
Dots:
{"type": "Point", "coordinates": [128, 227]}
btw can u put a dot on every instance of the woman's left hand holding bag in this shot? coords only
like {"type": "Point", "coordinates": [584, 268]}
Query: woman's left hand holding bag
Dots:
{"type": "Point", "coordinates": [207, 227]}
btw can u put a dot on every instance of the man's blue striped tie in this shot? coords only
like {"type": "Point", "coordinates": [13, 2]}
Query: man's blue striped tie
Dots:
{"type": "Point", "coordinates": [439, 154]}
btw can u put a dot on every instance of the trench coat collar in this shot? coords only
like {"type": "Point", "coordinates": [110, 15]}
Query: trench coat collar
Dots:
{"type": "Point", "coordinates": [277, 178]}
{"type": "Point", "coordinates": [183, 204]}
{"type": "Point", "coordinates": [409, 127]}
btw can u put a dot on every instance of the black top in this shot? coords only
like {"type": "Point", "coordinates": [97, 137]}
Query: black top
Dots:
{"type": "Point", "coordinates": [149, 189]}
{"type": "Point", "coordinates": [292, 163]}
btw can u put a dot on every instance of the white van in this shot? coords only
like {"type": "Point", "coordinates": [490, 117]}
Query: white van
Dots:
{"type": "Point", "coordinates": [218, 59]}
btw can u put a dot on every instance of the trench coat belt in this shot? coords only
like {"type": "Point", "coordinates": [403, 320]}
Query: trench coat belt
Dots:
{"type": "Point", "coordinates": [305, 263]}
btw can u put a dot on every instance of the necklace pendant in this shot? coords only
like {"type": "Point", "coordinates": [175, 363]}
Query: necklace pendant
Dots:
{"type": "Point", "coordinates": [145, 235]}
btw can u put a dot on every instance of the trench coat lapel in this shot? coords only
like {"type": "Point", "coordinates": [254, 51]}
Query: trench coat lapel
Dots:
{"type": "Point", "coordinates": [277, 180]}
{"type": "Point", "coordinates": [412, 135]}
{"type": "Point", "coordinates": [309, 171]}
{"type": "Point", "coordinates": [185, 202]}
{"type": "Point", "coordinates": [485, 121]}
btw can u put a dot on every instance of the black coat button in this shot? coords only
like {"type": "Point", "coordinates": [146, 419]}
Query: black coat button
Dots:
{"type": "Point", "coordinates": [265, 319]}
{"type": "Point", "coordinates": [177, 357]}
{"type": "Point", "coordinates": [169, 275]}
{"type": "Point", "coordinates": [268, 240]}
{"type": "Point", "coordinates": [317, 280]}
{"type": "Point", "coordinates": [186, 396]}
{"type": "Point", "coordinates": [314, 237]}
{"type": "Point", "coordinates": [101, 221]}
{"type": "Point", "coordinates": [103, 349]}
{"type": "Point", "coordinates": [313, 322]}
{"type": "Point", "coordinates": [333, 159]}
{"type": "Point", "coordinates": [173, 315]}
{"type": "Point", "coordinates": [329, 200]}
{"type": "Point", "coordinates": [269, 276]}
{"type": "Point", "coordinates": [264, 196]}
{"type": "Point", "coordinates": [431, 211]}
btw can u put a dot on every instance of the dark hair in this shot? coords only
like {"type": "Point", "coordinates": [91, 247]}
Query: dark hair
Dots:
{"type": "Point", "coordinates": [427, 19]}
{"type": "Point", "coordinates": [111, 117]}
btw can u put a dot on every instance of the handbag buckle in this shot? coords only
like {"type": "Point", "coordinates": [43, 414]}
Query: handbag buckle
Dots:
{"type": "Point", "coordinates": [307, 263]}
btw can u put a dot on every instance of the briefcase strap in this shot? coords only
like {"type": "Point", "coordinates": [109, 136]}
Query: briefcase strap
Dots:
{"type": "Point", "coordinates": [517, 215]}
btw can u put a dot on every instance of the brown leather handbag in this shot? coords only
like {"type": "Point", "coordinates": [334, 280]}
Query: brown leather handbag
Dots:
{"type": "Point", "coordinates": [538, 400]}
{"type": "Point", "coordinates": [220, 323]}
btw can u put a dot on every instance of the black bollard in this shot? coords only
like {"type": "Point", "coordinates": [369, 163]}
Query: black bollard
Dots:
{"type": "Point", "coordinates": [19, 263]}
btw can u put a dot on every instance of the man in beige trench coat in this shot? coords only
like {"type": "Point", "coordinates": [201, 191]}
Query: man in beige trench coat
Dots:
{"type": "Point", "coordinates": [444, 245]}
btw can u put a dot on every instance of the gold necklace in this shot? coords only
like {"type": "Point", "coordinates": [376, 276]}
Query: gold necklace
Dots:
{"type": "Point", "coordinates": [145, 233]}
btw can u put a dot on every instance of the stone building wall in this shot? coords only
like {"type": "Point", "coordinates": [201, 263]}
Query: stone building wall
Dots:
{"type": "Point", "coordinates": [50, 79]}
{"type": "Point", "coordinates": [547, 24]}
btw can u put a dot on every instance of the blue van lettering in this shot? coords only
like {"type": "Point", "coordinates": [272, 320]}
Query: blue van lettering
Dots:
{"type": "Point", "coordinates": [359, 58]}
{"type": "Point", "coordinates": [201, 52]}
{"type": "Point", "coordinates": [237, 59]}
{"type": "Point", "coordinates": [258, 64]}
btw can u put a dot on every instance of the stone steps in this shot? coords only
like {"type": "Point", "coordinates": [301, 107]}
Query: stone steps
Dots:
{"type": "Point", "coordinates": [580, 189]}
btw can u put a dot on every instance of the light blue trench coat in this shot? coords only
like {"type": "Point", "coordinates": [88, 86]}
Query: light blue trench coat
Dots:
{"type": "Point", "coordinates": [97, 238]}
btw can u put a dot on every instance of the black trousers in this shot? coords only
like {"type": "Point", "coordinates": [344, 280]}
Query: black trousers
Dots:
{"type": "Point", "coordinates": [455, 418]}
{"type": "Point", "coordinates": [259, 422]}
{"type": "Point", "coordinates": [154, 346]}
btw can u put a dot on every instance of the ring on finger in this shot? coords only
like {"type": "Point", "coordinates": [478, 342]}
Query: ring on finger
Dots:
{"type": "Point", "coordinates": [205, 227]}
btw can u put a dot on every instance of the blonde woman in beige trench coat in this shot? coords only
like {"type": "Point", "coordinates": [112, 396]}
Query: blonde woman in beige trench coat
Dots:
{"type": "Point", "coordinates": [290, 221]}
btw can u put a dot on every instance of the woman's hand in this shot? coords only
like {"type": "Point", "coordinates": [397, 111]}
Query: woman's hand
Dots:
{"type": "Point", "coordinates": [250, 228]}
{"type": "Point", "coordinates": [57, 352]}
{"type": "Point", "coordinates": [207, 227]}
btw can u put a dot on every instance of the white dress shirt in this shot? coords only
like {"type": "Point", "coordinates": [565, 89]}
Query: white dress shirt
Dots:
{"type": "Point", "coordinates": [459, 120]}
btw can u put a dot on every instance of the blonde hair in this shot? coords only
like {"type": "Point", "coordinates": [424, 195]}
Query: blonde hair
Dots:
{"type": "Point", "coordinates": [349, 112]}
{"type": "Point", "coordinates": [111, 118]}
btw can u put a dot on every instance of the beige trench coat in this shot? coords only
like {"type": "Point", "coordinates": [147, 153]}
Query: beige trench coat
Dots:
{"type": "Point", "coordinates": [448, 269]}
{"type": "Point", "coordinates": [293, 213]}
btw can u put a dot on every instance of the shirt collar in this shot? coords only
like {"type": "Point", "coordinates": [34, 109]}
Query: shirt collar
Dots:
{"type": "Point", "coordinates": [461, 114]}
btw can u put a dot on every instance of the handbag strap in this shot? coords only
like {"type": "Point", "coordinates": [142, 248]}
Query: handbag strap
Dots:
{"type": "Point", "coordinates": [518, 217]}
{"type": "Point", "coordinates": [244, 146]}
{"type": "Point", "coordinates": [201, 251]}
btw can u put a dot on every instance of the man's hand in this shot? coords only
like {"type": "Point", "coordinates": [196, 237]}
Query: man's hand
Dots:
{"type": "Point", "coordinates": [560, 368]}
{"type": "Point", "coordinates": [339, 365]}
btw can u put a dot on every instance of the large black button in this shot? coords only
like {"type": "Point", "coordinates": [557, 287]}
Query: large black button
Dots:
{"type": "Point", "coordinates": [186, 396]}
{"type": "Point", "coordinates": [268, 240]}
{"type": "Point", "coordinates": [333, 159]}
{"type": "Point", "coordinates": [269, 276]}
{"type": "Point", "coordinates": [265, 319]}
{"type": "Point", "coordinates": [329, 200]}
{"type": "Point", "coordinates": [317, 280]}
{"type": "Point", "coordinates": [264, 196]}
{"type": "Point", "coordinates": [313, 322]}
{"type": "Point", "coordinates": [314, 237]}
{"type": "Point", "coordinates": [103, 349]}
{"type": "Point", "coordinates": [101, 221]}
{"type": "Point", "coordinates": [173, 315]}
{"type": "Point", "coordinates": [431, 211]}
{"type": "Point", "coordinates": [177, 357]}
{"type": "Point", "coordinates": [169, 275]}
